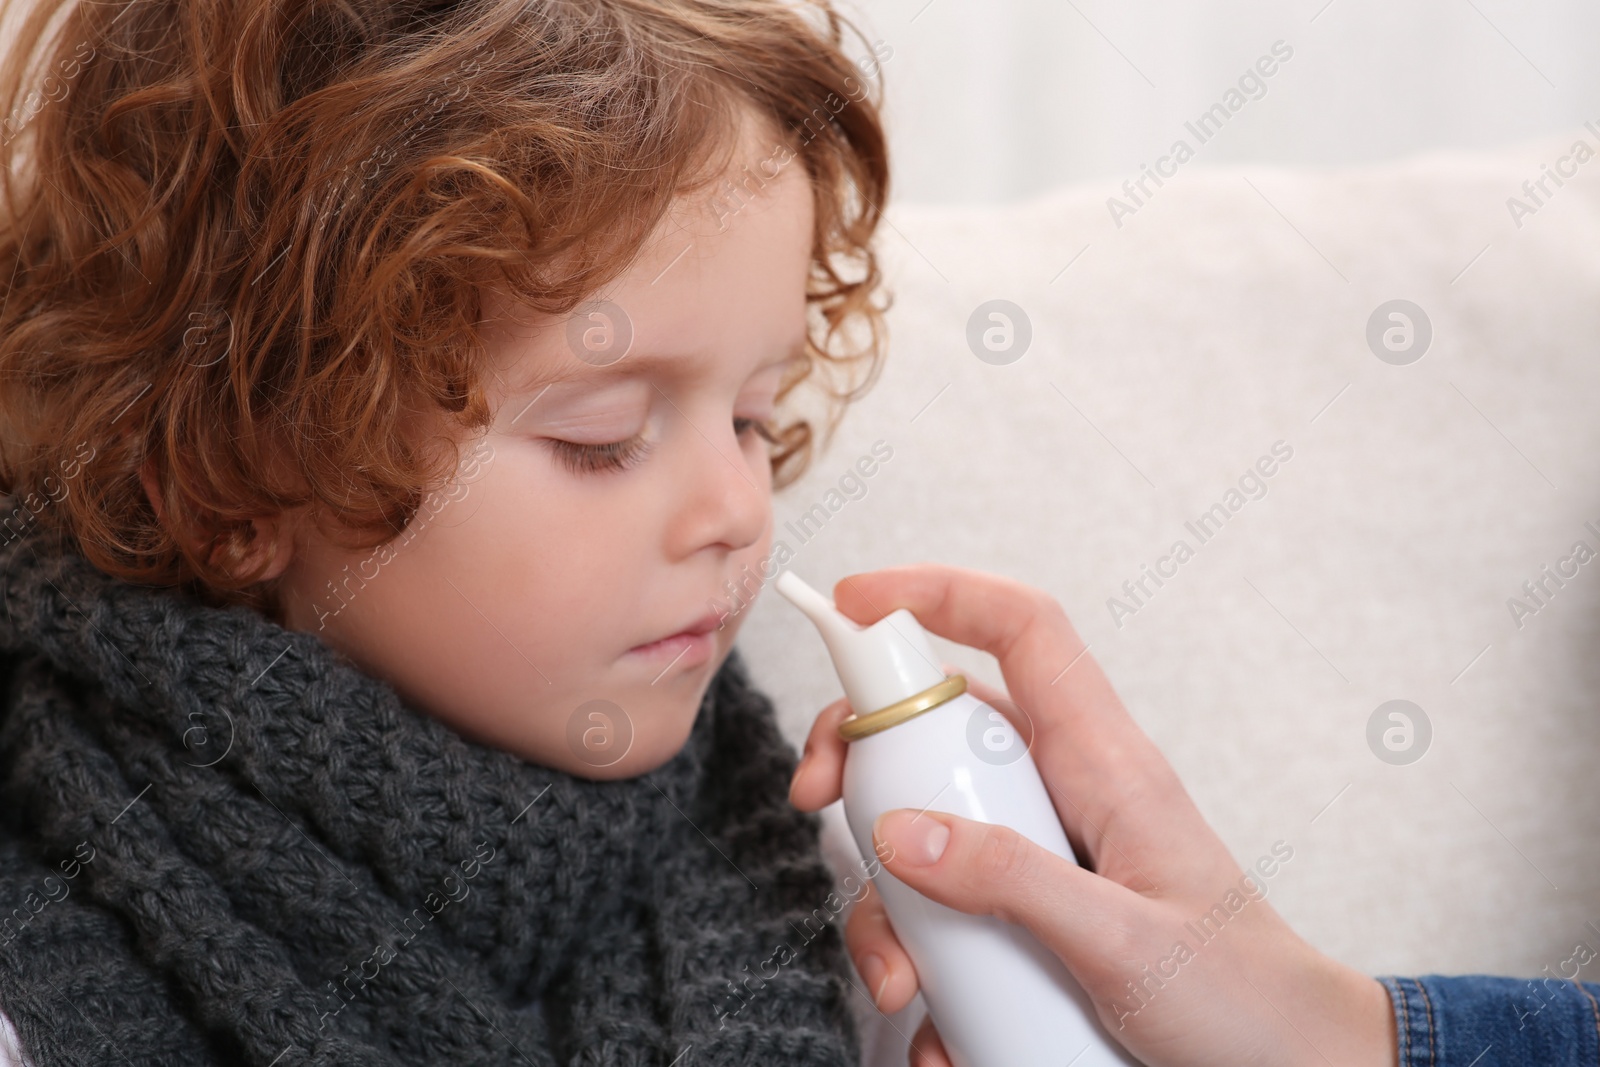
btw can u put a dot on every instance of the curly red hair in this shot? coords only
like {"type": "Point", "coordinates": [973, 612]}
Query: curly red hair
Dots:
{"type": "Point", "coordinates": [246, 242]}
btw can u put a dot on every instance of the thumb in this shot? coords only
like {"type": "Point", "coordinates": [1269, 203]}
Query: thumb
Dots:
{"type": "Point", "coordinates": [979, 868]}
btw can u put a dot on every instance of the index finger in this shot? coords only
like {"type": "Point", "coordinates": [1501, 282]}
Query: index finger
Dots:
{"type": "Point", "coordinates": [819, 779]}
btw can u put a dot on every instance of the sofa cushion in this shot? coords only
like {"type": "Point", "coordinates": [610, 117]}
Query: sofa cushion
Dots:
{"type": "Point", "coordinates": [1178, 352]}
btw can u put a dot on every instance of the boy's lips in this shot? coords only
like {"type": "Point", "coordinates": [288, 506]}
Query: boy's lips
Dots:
{"type": "Point", "coordinates": [692, 644]}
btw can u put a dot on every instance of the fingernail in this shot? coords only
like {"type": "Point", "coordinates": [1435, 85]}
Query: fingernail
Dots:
{"type": "Point", "coordinates": [917, 837]}
{"type": "Point", "coordinates": [876, 973]}
{"type": "Point", "coordinates": [798, 771]}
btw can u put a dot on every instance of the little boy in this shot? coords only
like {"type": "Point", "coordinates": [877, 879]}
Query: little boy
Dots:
{"type": "Point", "coordinates": [389, 391]}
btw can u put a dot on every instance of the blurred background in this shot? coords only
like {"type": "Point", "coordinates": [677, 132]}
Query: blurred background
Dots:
{"type": "Point", "coordinates": [1164, 358]}
{"type": "Point", "coordinates": [1362, 157]}
{"type": "Point", "coordinates": [991, 100]}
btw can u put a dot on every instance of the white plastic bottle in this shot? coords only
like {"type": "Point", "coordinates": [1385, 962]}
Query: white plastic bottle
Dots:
{"type": "Point", "coordinates": [998, 997]}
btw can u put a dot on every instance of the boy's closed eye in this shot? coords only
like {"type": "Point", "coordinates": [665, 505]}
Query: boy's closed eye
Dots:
{"type": "Point", "coordinates": [614, 426]}
{"type": "Point", "coordinates": [583, 458]}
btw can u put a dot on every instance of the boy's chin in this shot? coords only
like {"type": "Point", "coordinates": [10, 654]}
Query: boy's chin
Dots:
{"type": "Point", "coordinates": [640, 759]}
{"type": "Point", "coordinates": [606, 742]}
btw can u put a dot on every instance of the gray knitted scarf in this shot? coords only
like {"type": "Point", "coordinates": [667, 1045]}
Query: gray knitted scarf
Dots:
{"type": "Point", "coordinates": [221, 842]}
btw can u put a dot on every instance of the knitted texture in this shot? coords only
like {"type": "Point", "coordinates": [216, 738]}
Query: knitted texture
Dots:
{"type": "Point", "coordinates": [222, 842]}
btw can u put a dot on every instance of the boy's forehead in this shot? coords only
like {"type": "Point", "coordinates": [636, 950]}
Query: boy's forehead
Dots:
{"type": "Point", "coordinates": [650, 323]}
{"type": "Point", "coordinates": [758, 164]}
{"type": "Point", "coordinates": [540, 368]}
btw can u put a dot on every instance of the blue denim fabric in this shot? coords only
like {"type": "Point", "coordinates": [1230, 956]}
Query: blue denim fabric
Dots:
{"type": "Point", "coordinates": [1478, 1021]}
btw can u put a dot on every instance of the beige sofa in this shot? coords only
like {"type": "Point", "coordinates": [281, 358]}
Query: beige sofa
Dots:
{"type": "Point", "coordinates": [1383, 559]}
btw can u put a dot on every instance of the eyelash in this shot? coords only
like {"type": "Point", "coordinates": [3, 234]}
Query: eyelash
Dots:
{"type": "Point", "coordinates": [621, 455]}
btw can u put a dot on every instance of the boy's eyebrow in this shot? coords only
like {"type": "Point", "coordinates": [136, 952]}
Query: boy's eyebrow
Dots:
{"type": "Point", "coordinates": [631, 366]}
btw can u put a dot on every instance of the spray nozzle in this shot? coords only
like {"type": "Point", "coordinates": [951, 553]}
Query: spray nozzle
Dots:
{"type": "Point", "coordinates": [878, 664]}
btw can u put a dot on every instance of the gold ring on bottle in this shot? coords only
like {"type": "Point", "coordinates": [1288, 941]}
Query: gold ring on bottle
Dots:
{"type": "Point", "coordinates": [858, 726]}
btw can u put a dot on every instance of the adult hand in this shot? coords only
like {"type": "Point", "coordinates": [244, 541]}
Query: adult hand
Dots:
{"type": "Point", "coordinates": [1255, 993]}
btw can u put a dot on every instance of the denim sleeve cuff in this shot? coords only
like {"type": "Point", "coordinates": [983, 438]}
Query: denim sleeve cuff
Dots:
{"type": "Point", "coordinates": [1481, 1021]}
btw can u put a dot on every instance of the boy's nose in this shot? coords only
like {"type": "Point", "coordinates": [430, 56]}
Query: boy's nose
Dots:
{"type": "Point", "coordinates": [725, 500]}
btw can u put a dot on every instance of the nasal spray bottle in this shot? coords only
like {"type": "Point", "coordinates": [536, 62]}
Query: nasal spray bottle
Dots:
{"type": "Point", "coordinates": [918, 740]}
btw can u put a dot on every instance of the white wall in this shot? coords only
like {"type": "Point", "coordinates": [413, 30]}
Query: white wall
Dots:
{"type": "Point", "coordinates": [992, 100]}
